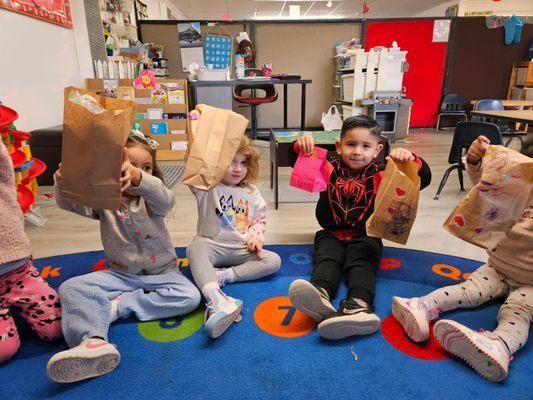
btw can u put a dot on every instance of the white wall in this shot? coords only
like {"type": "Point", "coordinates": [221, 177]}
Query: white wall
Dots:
{"type": "Point", "coordinates": [437, 11]}
{"type": "Point", "coordinates": [507, 7]}
{"type": "Point", "coordinates": [39, 60]}
{"type": "Point", "coordinates": [157, 9]}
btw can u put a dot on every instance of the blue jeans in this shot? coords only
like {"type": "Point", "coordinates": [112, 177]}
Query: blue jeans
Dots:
{"type": "Point", "coordinates": [86, 300]}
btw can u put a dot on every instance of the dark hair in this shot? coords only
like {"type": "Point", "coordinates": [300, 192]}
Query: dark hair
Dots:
{"type": "Point", "coordinates": [527, 146]}
{"type": "Point", "coordinates": [361, 121]}
{"type": "Point", "coordinates": [134, 141]}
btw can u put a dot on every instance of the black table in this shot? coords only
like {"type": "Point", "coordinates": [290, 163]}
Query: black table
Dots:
{"type": "Point", "coordinates": [196, 85]}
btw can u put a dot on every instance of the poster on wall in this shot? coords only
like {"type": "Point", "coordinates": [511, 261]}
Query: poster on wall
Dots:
{"type": "Point", "coordinates": [54, 11]}
{"type": "Point", "coordinates": [190, 39]}
{"type": "Point", "coordinates": [218, 50]}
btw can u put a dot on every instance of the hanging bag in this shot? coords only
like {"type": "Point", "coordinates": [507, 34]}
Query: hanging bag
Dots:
{"type": "Point", "coordinates": [331, 120]}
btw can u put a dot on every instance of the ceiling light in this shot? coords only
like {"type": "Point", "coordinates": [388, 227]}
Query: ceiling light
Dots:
{"type": "Point", "coordinates": [329, 4]}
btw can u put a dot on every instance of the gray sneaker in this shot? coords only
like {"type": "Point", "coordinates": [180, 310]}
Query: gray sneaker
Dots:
{"type": "Point", "coordinates": [311, 300]}
{"type": "Point", "coordinates": [354, 318]}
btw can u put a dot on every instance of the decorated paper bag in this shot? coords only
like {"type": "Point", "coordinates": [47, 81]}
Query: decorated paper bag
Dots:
{"type": "Point", "coordinates": [216, 138]}
{"type": "Point", "coordinates": [493, 206]}
{"type": "Point", "coordinates": [309, 172]}
{"type": "Point", "coordinates": [396, 202]}
{"type": "Point", "coordinates": [95, 129]}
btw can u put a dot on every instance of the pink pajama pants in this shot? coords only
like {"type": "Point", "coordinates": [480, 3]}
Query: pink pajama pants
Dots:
{"type": "Point", "coordinates": [39, 305]}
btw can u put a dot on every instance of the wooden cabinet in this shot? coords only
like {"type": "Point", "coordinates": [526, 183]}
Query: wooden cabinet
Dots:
{"type": "Point", "coordinates": [521, 82]}
{"type": "Point", "coordinates": [173, 143]}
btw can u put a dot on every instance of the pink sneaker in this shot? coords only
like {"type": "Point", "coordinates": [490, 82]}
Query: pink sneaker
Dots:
{"type": "Point", "coordinates": [92, 357]}
{"type": "Point", "coordinates": [483, 351]}
{"type": "Point", "coordinates": [413, 317]}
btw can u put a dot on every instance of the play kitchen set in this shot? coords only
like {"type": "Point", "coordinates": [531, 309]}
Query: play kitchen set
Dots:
{"type": "Point", "coordinates": [372, 83]}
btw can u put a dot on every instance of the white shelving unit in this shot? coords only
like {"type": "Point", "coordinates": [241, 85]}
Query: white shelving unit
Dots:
{"type": "Point", "coordinates": [380, 69]}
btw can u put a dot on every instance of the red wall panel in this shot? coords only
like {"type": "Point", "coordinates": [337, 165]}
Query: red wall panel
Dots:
{"type": "Point", "coordinates": [426, 60]}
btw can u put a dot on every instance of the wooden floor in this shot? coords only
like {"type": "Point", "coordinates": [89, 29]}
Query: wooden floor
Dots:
{"type": "Point", "coordinates": [292, 223]}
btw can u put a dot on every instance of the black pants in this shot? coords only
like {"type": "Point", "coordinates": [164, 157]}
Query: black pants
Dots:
{"type": "Point", "coordinates": [357, 259]}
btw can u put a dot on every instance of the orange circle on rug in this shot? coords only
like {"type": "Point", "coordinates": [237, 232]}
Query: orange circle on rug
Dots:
{"type": "Point", "coordinates": [430, 350]}
{"type": "Point", "coordinates": [278, 317]}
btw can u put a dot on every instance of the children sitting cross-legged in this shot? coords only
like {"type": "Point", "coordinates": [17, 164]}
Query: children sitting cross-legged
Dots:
{"type": "Point", "coordinates": [508, 272]}
{"type": "Point", "coordinates": [228, 246]}
{"type": "Point", "coordinates": [143, 278]}
{"type": "Point", "coordinates": [342, 247]}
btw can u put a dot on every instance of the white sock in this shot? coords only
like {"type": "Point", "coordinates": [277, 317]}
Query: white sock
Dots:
{"type": "Point", "coordinates": [114, 309]}
{"type": "Point", "coordinates": [225, 275]}
{"type": "Point", "coordinates": [210, 290]}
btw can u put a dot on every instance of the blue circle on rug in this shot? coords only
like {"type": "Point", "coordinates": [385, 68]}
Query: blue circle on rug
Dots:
{"type": "Point", "coordinates": [249, 363]}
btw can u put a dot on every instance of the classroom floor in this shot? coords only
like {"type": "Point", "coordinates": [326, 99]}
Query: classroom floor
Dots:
{"type": "Point", "coordinates": [292, 223]}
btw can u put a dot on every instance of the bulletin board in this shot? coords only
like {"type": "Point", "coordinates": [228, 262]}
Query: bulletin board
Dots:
{"type": "Point", "coordinates": [480, 64]}
{"type": "Point", "coordinates": [57, 12]}
{"type": "Point", "coordinates": [427, 61]}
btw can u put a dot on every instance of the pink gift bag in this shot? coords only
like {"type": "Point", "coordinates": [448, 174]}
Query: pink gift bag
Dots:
{"type": "Point", "coordinates": [309, 172]}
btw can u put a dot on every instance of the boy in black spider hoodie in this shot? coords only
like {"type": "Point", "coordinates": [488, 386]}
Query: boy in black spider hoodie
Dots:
{"type": "Point", "coordinates": [342, 248]}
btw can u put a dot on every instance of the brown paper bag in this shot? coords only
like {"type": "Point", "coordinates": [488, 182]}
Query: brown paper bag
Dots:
{"type": "Point", "coordinates": [493, 206]}
{"type": "Point", "coordinates": [91, 155]}
{"type": "Point", "coordinates": [216, 139]}
{"type": "Point", "coordinates": [396, 202]}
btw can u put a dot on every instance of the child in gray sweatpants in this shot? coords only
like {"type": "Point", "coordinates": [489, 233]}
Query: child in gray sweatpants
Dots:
{"type": "Point", "coordinates": [229, 243]}
{"type": "Point", "coordinates": [143, 278]}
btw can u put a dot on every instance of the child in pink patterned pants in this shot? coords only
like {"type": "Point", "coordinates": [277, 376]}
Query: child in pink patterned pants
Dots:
{"type": "Point", "coordinates": [20, 283]}
{"type": "Point", "coordinates": [39, 304]}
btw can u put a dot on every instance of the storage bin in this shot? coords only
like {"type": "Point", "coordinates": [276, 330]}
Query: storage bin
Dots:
{"type": "Point", "coordinates": [346, 111]}
{"type": "Point", "coordinates": [347, 87]}
{"type": "Point", "coordinates": [517, 94]}
{"type": "Point", "coordinates": [212, 74]}
{"type": "Point", "coordinates": [521, 76]}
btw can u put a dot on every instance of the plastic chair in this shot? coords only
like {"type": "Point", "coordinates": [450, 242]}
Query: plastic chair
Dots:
{"type": "Point", "coordinates": [251, 97]}
{"type": "Point", "coordinates": [465, 133]}
{"type": "Point", "coordinates": [452, 104]}
{"type": "Point", "coordinates": [496, 105]}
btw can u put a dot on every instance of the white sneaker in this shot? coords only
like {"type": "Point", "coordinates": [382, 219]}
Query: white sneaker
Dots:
{"type": "Point", "coordinates": [310, 300]}
{"type": "Point", "coordinates": [354, 318]}
{"type": "Point", "coordinates": [93, 357]}
{"type": "Point", "coordinates": [483, 351]}
{"type": "Point", "coordinates": [413, 317]}
{"type": "Point", "coordinates": [220, 313]}
{"type": "Point", "coordinates": [225, 275]}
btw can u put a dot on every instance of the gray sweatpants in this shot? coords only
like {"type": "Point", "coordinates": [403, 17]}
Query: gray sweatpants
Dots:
{"type": "Point", "coordinates": [86, 300]}
{"type": "Point", "coordinates": [485, 284]}
{"type": "Point", "coordinates": [204, 255]}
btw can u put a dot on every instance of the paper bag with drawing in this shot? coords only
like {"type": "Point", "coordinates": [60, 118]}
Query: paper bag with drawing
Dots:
{"type": "Point", "coordinates": [396, 202]}
{"type": "Point", "coordinates": [497, 201]}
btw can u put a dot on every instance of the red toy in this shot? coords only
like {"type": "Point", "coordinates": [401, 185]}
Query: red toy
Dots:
{"type": "Point", "coordinates": [26, 167]}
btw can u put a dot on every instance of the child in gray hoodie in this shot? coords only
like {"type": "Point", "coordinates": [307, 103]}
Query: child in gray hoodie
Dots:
{"type": "Point", "coordinates": [143, 278]}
